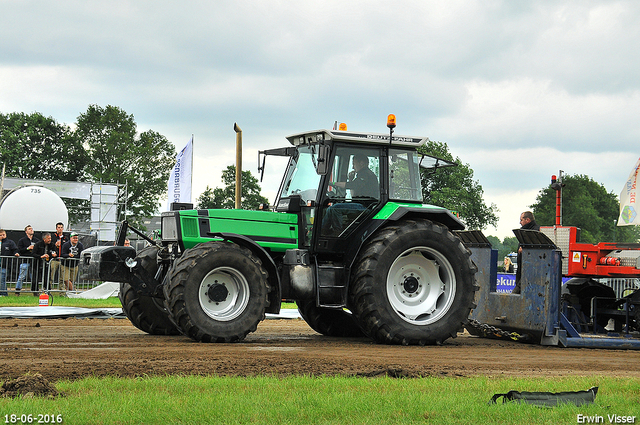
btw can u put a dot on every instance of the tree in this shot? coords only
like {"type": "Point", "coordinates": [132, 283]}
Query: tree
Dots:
{"type": "Point", "coordinates": [37, 147]}
{"type": "Point", "coordinates": [33, 146]}
{"type": "Point", "coordinates": [585, 204]}
{"type": "Point", "coordinates": [455, 189]}
{"type": "Point", "coordinates": [119, 155]}
{"type": "Point", "coordinates": [225, 197]}
{"type": "Point", "coordinates": [507, 246]}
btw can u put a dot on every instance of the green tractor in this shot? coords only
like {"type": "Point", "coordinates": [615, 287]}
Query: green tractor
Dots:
{"type": "Point", "coordinates": [349, 240]}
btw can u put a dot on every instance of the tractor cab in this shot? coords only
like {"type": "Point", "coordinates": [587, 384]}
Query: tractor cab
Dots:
{"type": "Point", "coordinates": [338, 181]}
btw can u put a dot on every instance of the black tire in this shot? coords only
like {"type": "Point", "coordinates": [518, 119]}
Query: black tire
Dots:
{"type": "Point", "coordinates": [329, 321]}
{"type": "Point", "coordinates": [217, 292]}
{"type": "Point", "coordinates": [413, 284]}
{"type": "Point", "coordinates": [146, 313]}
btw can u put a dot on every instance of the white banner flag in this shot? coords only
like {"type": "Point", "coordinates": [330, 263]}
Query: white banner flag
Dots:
{"type": "Point", "coordinates": [180, 177]}
{"type": "Point", "coordinates": [628, 200]}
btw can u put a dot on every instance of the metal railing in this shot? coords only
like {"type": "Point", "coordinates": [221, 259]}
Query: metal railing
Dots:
{"type": "Point", "coordinates": [52, 275]}
{"type": "Point", "coordinates": [621, 286]}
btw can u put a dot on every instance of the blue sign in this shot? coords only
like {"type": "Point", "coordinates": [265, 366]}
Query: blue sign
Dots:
{"type": "Point", "coordinates": [506, 282]}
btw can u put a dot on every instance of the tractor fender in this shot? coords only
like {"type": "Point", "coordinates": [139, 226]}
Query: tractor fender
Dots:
{"type": "Point", "coordinates": [393, 212]}
{"type": "Point", "coordinates": [430, 212]}
{"type": "Point", "coordinates": [275, 297]}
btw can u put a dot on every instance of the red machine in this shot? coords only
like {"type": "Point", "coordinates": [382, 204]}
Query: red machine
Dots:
{"type": "Point", "coordinates": [605, 259]}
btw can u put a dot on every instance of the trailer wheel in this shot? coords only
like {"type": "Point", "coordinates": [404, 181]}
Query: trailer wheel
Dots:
{"type": "Point", "coordinates": [329, 321]}
{"type": "Point", "coordinates": [217, 292]}
{"type": "Point", "coordinates": [413, 284]}
{"type": "Point", "coordinates": [146, 313]}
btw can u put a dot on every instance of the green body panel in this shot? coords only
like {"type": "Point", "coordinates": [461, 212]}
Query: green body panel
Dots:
{"type": "Point", "coordinates": [272, 230]}
{"type": "Point", "coordinates": [391, 207]}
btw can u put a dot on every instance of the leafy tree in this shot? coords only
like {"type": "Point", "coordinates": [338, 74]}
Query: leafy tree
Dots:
{"type": "Point", "coordinates": [224, 198]}
{"type": "Point", "coordinates": [455, 189]}
{"type": "Point", "coordinates": [585, 204]}
{"type": "Point", "coordinates": [511, 244]}
{"type": "Point", "coordinates": [37, 147]}
{"type": "Point", "coordinates": [507, 246]}
{"type": "Point", "coordinates": [33, 146]}
{"type": "Point", "coordinates": [119, 155]}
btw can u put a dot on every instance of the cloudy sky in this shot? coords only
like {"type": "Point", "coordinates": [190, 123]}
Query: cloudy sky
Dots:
{"type": "Point", "coordinates": [518, 90]}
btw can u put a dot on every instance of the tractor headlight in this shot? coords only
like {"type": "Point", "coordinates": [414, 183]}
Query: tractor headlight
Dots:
{"type": "Point", "coordinates": [169, 226]}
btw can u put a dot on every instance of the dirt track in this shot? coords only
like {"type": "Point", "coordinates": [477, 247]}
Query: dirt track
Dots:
{"type": "Point", "coordinates": [75, 348]}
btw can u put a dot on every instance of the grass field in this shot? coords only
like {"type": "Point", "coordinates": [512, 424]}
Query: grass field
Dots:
{"type": "Point", "coordinates": [111, 302]}
{"type": "Point", "coordinates": [323, 400]}
{"type": "Point", "coordinates": [30, 301]}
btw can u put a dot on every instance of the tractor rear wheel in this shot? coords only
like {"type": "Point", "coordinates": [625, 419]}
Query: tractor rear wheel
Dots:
{"type": "Point", "coordinates": [413, 284]}
{"type": "Point", "coordinates": [329, 321]}
{"type": "Point", "coordinates": [217, 292]}
{"type": "Point", "coordinates": [145, 312]}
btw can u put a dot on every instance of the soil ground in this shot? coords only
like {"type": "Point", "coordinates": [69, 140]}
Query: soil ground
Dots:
{"type": "Point", "coordinates": [76, 348]}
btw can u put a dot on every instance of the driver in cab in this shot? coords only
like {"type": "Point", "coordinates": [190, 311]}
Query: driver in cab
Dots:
{"type": "Point", "coordinates": [363, 184]}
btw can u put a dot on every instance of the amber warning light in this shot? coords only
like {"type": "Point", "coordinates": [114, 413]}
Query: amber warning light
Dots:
{"type": "Point", "coordinates": [342, 127]}
{"type": "Point", "coordinates": [391, 121]}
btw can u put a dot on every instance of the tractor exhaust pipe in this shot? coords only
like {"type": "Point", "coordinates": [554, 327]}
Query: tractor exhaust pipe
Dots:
{"type": "Point", "coordinates": [238, 165]}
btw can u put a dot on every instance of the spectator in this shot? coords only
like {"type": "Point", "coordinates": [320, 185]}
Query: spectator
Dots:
{"type": "Point", "coordinates": [508, 265]}
{"type": "Point", "coordinates": [8, 248]}
{"type": "Point", "coordinates": [43, 252]}
{"type": "Point", "coordinates": [527, 222]}
{"type": "Point", "coordinates": [25, 249]}
{"type": "Point", "coordinates": [71, 253]}
{"type": "Point", "coordinates": [58, 238]}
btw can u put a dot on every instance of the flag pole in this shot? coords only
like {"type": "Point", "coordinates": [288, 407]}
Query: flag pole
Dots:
{"type": "Point", "coordinates": [191, 185]}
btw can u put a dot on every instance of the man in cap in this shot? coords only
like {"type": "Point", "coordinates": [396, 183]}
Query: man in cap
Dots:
{"type": "Point", "coordinates": [58, 239]}
{"type": "Point", "coordinates": [71, 256]}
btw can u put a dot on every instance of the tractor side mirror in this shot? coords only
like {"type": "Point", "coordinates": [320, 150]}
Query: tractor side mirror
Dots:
{"type": "Point", "coordinates": [323, 159]}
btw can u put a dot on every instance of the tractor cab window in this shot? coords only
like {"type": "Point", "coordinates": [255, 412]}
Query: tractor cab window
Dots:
{"type": "Point", "coordinates": [302, 178]}
{"type": "Point", "coordinates": [404, 175]}
{"type": "Point", "coordinates": [353, 189]}
{"type": "Point", "coordinates": [408, 170]}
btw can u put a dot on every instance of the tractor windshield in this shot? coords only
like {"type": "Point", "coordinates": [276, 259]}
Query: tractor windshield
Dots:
{"type": "Point", "coordinates": [302, 178]}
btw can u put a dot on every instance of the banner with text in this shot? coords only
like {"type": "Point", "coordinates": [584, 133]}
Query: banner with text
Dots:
{"type": "Point", "coordinates": [628, 198]}
{"type": "Point", "coordinates": [180, 177]}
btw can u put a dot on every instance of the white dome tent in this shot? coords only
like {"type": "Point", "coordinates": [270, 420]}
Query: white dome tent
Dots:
{"type": "Point", "coordinates": [32, 204]}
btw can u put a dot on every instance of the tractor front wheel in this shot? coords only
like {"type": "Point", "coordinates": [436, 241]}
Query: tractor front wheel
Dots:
{"type": "Point", "coordinates": [145, 312]}
{"type": "Point", "coordinates": [217, 292]}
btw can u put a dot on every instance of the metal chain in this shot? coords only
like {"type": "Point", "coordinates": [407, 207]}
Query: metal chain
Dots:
{"type": "Point", "coordinates": [488, 331]}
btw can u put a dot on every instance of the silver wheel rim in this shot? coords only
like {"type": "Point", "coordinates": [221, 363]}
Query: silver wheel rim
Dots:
{"type": "Point", "coordinates": [237, 294]}
{"type": "Point", "coordinates": [421, 285]}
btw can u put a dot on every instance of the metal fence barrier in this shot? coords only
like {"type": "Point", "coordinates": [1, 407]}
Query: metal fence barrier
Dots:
{"type": "Point", "coordinates": [621, 286]}
{"type": "Point", "coordinates": [52, 275]}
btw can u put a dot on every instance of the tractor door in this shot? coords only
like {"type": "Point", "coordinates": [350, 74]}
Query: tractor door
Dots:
{"type": "Point", "coordinates": [299, 191]}
{"type": "Point", "coordinates": [353, 188]}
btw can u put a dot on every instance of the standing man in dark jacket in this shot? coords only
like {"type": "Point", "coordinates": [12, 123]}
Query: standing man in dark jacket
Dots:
{"type": "Point", "coordinates": [25, 249]}
{"type": "Point", "coordinates": [58, 239]}
{"type": "Point", "coordinates": [43, 252]}
{"type": "Point", "coordinates": [527, 222]}
{"type": "Point", "coordinates": [8, 248]}
{"type": "Point", "coordinates": [71, 254]}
